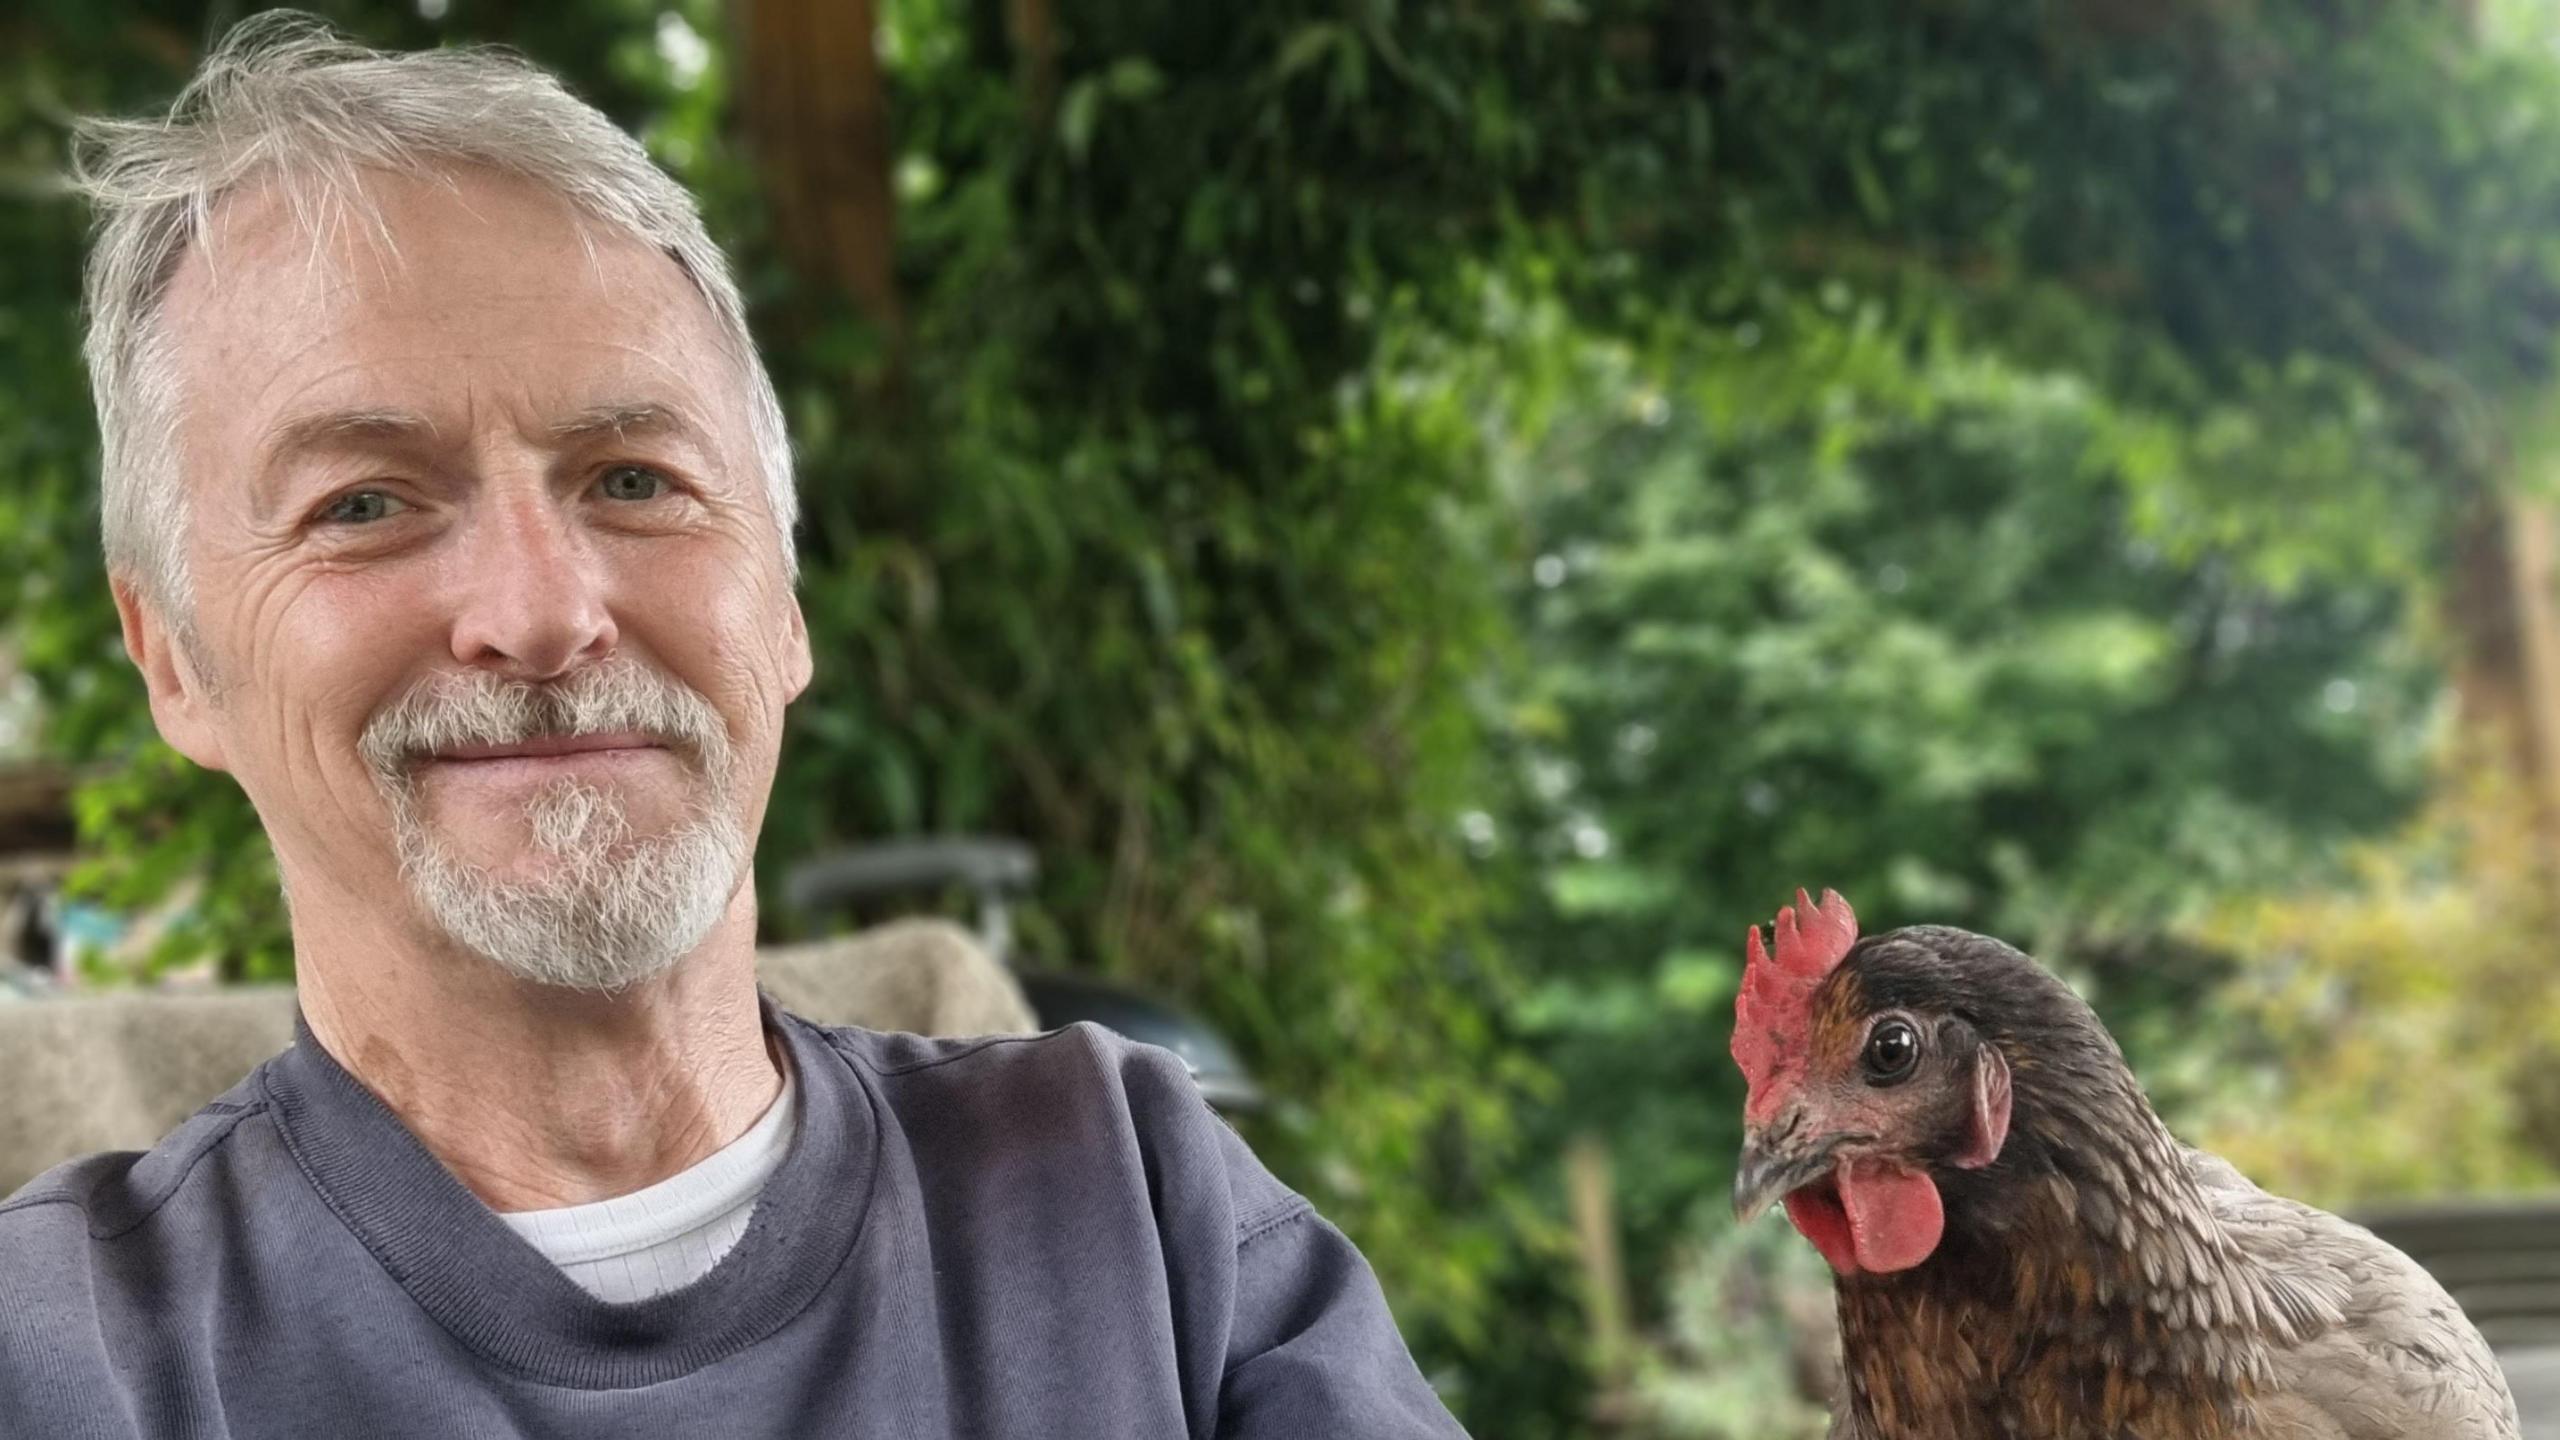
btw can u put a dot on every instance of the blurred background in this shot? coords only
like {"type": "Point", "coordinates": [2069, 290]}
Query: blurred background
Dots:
{"type": "Point", "coordinates": [1429, 516]}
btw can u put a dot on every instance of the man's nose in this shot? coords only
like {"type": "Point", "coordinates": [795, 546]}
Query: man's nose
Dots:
{"type": "Point", "coordinates": [532, 594]}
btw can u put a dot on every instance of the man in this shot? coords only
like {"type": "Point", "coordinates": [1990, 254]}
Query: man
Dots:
{"type": "Point", "coordinates": [449, 510]}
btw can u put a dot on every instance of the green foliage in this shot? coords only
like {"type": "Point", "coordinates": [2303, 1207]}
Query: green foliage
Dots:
{"type": "Point", "coordinates": [1115, 554]}
{"type": "Point", "coordinates": [1747, 1310]}
{"type": "Point", "coordinates": [1835, 609]}
{"type": "Point", "coordinates": [2403, 1030]}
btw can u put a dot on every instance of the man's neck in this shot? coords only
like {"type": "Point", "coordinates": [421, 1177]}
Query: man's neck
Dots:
{"type": "Point", "coordinates": [537, 1097]}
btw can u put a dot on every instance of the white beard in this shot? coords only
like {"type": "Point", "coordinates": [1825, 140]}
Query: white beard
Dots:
{"type": "Point", "coordinates": [614, 910]}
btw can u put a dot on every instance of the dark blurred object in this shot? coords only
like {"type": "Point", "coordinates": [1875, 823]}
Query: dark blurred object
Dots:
{"type": "Point", "coordinates": [36, 838]}
{"type": "Point", "coordinates": [997, 872]}
{"type": "Point", "coordinates": [994, 871]}
{"type": "Point", "coordinates": [1059, 997]}
{"type": "Point", "coordinates": [35, 809]}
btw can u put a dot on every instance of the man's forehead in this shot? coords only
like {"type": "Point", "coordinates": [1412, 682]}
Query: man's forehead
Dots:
{"type": "Point", "coordinates": [414, 249]}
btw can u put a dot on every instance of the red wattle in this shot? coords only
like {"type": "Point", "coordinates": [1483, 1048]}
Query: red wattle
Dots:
{"type": "Point", "coordinates": [1895, 1218]}
{"type": "Point", "coordinates": [1815, 1212]}
{"type": "Point", "coordinates": [1871, 1218]}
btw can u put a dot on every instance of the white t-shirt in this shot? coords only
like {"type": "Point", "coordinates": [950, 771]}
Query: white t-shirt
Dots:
{"type": "Point", "coordinates": [663, 1238]}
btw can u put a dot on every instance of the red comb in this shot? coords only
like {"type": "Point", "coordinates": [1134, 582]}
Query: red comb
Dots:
{"type": "Point", "coordinates": [1771, 1013]}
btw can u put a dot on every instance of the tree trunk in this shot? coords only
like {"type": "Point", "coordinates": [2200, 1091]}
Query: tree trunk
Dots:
{"type": "Point", "coordinates": [2532, 546]}
{"type": "Point", "coordinates": [1592, 1194]}
{"type": "Point", "coordinates": [1034, 31]}
{"type": "Point", "coordinates": [818, 119]}
{"type": "Point", "coordinates": [2504, 609]}
{"type": "Point", "coordinates": [2480, 609]}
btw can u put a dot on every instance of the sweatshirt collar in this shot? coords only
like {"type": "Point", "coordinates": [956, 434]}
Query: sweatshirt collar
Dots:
{"type": "Point", "coordinates": [507, 1302]}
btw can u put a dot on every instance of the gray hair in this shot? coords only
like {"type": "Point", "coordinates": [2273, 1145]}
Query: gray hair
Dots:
{"type": "Point", "coordinates": [283, 100]}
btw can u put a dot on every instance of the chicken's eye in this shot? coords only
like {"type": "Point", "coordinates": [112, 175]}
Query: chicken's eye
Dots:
{"type": "Point", "coordinates": [1893, 1052]}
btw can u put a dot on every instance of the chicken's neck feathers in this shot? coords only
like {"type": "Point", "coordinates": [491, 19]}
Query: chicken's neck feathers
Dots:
{"type": "Point", "coordinates": [2089, 1258]}
{"type": "Point", "coordinates": [2153, 1230]}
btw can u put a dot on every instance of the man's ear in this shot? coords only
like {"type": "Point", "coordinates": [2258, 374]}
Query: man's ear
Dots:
{"type": "Point", "coordinates": [797, 665]}
{"type": "Point", "coordinates": [181, 702]}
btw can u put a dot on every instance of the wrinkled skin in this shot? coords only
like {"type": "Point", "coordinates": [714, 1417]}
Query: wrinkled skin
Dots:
{"type": "Point", "coordinates": [464, 513]}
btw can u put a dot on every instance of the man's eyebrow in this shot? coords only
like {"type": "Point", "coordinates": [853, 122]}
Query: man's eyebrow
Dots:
{"type": "Point", "coordinates": [339, 429]}
{"type": "Point", "coordinates": [625, 420]}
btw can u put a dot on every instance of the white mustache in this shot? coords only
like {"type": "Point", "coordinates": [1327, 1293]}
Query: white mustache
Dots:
{"type": "Point", "coordinates": [452, 709]}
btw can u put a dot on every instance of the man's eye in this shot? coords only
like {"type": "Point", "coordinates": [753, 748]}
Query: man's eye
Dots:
{"type": "Point", "coordinates": [361, 507]}
{"type": "Point", "coordinates": [631, 482]}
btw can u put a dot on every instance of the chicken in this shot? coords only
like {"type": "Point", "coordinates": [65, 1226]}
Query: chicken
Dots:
{"type": "Point", "coordinates": [2019, 1246]}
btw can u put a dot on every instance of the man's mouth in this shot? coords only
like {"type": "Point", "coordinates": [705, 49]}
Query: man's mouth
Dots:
{"type": "Point", "coordinates": [605, 745]}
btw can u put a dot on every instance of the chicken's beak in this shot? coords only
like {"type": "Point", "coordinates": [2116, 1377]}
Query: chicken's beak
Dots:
{"type": "Point", "coordinates": [1776, 1163]}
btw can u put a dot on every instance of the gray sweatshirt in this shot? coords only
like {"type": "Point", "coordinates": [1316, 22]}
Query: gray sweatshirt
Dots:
{"type": "Point", "coordinates": [1039, 1236]}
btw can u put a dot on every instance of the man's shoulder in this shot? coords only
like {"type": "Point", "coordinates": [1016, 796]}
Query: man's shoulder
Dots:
{"type": "Point", "coordinates": [1082, 1089]}
{"type": "Point", "coordinates": [108, 1195]}
{"type": "Point", "coordinates": [1082, 1064]}
{"type": "Point", "coordinates": [61, 1196]}
{"type": "Point", "coordinates": [1084, 1109]}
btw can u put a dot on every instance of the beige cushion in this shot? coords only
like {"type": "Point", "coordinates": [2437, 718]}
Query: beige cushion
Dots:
{"type": "Point", "coordinates": [116, 1071]}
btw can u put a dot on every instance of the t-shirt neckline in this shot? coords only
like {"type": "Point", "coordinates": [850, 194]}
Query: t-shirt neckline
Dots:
{"type": "Point", "coordinates": [504, 1300]}
{"type": "Point", "coordinates": [710, 1190]}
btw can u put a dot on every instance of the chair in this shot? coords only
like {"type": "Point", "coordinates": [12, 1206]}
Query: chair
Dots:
{"type": "Point", "coordinates": [81, 1073]}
